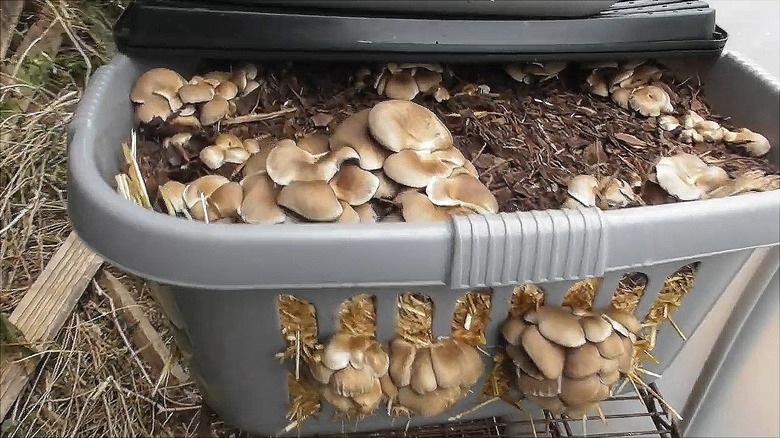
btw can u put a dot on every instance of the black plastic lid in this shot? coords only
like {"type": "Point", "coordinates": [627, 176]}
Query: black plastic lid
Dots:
{"type": "Point", "coordinates": [243, 29]}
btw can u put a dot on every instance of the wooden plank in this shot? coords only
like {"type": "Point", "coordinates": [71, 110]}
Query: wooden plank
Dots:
{"type": "Point", "coordinates": [46, 306]}
{"type": "Point", "coordinates": [9, 18]}
{"type": "Point", "coordinates": [150, 345]}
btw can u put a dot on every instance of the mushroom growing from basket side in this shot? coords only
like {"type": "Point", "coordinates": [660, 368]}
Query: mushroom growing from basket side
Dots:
{"type": "Point", "coordinates": [569, 360]}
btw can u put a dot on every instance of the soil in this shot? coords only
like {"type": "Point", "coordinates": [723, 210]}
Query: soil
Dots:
{"type": "Point", "coordinates": [525, 140]}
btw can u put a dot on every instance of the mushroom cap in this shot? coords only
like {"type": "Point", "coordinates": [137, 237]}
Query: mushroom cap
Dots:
{"type": "Point", "coordinates": [401, 124]}
{"type": "Point", "coordinates": [388, 188]}
{"type": "Point", "coordinates": [625, 360]}
{"type": "Point", "coordinates": [609, 365]}
{"type": "Point", "coordinates": [369, 400]}
{"type": "Point", "coordinates": [463, 190]}
{"type": "Point", "coordinates": [366, 213]}
{"type": "Point", "coordinates": [614, 193]}
{"type": "Point", "coordinates": [583, 188]}
{"type": "Point", "coordinates": [427, 80]}
{"type": "Point", "coordinates": [611, 347]}
{"type": "Point", "coordinates": [429, 404]}
{"type": "Point", "coordinates": [252, 145]}
{"type": "Point", "coordinates": [627, 319]}
{"type": "Point", "coordinates": [423, 378]}
{"type": "Point", "coordinates": [540, 388]}
{"type": "Point", "coordinates": [668, 123]}
{"type": "Point", "coordinates": [560, 326]}
{"type": "Point", "coordinates": [650, 101]}
{"type": "Point", "coordinates": [205, 186]}
{"type": "Point", "coordinates": [416, 207]}
{"type": "Point", "coordinates": [523, 361]}
{"type": "Point", "coordinates": [313, 200]}
{"type": "Point", "coordinates": [598, 84]}
{"type": "Point", "coordinates": [349, 215]}
{"type": "Point", "coordinates": [358, 344]}
{"type": "Point", "coordinates": [227, 89]}
{"type": "Point", "coordinates": [196, 93]}
{"type": "Point", "coordinates": [226, 140]}
{"type": "Point", "coordinates": [257, 161]}
{"type": "Point", "coordinates": [441, 94]}
{"type": "Point", "coordinates": [471, 365]}
{"type": "Point", "coordinates": [516, 72]}
{"type": "Point", "coordinates": [401, 358]}
{"type": "Point", "coordinates": [315, 144]}
{"type": "Point", "coordinates": [596, 328]}
{"type": "Point", "coordinates": [582, 361]}
{"type": "Point", "coordinates": [754, 143]}
{"type": "Point", "coordinates": [414, 169]}
{"type": "Point", "coordinates": [174, 192]}
{"type": "Point", "coordinates": [377, 359]}
{"type": "Point", "coordinates": [401, 85]}
{"type": "Point", "coordinates": [212, 157]}
{"type": "Point", "coordinates": [155, 80]}
{"type": "Point", "coordinates": [287, 163]}
{"type": "Point", "coordinates": [621, 97]}
{"type": "Point", "coordinates": [445, 358]}
{"type": "Point", "coordinates": [350, 381]}
{"type": "Point", "coordinates": [687, 177]}
{"type": "Point", "coordinates": [154, 107]}
{"type": "Point", "coordinates": [582, 391]}
{"type": "Point", "coordinates": [214, 110]}
{"type": "Point", "coordinates": [236, 155]}
{"type": "Point", "coordinates": [546, 355]}
{"type": "Point", "coordinates": [388, 387]}
{"type": "Point", "coordinates": [227, 199]}
{"type": "Point", "coordinates": [610, 378]}
{"type": "Point", "coordinates": [341, 403]}
{"type": "Point", "coordinates": [259, 204]}
{"type": "Point", "coordinates": [513, 329]}
{"type": "Point", "coordinates": [337, 353]}
{"type": "Point", "coordinates": [320, 372]}
{"type": "Point", "coordinates": [353, 132]}
{"type": "Point", "coordinates": [354, 185]}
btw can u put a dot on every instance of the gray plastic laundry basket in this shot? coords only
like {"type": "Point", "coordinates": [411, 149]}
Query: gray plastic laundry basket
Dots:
{"type": "Point", "coordinates": [225, 279]}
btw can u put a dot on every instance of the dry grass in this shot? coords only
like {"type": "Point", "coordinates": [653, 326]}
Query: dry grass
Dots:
{"type": "Point", "coordinates": [415, 317]}
{"type": "Point", "coordinates": [471, 317]}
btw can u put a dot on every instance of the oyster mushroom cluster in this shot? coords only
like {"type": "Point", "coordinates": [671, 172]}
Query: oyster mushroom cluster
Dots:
{"type": "Point", "coordinates": [632, 85]}
{"type": "Point", "coordinates": [407, 80]}
{"type": "Point", "coordinates": [687, 177]}
{"type": "Point", "coordinates": [163, 95]}
{"type": "Point", "coordinates": [607, 193]}
{"type": "Point", "coordinates": [569, 360]}
{"type": "Point", "coordinates": [429, 380]}
{"type": "Point", "coordinates": [349, 370]}
{"type": "Point", "coordinates": [534, 72]}
{"type": "Point", "coordinates": [693, 128]}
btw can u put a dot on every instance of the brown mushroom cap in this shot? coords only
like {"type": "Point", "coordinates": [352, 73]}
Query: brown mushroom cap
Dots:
{"type": "Point", "coordinates": [610, 378]}
{"type": "Point", "coordinates": [353, 132]}
{"type": "Point", "coordinates": [350, 381]}
{"type": "Point", "coordinates": [611, 347]}
{"type": "Point", "coordinates": [471, 365]}
{"type": "Point", "coordinates": [341, 403]}
{"type": "Point", "coordinates": [377, 359]}
{"type": "Point", "coordinates": [414, 169]}
{"type": "Point", "coordinates": [349, 215]}
{"type": "Point", "coordinates": [315, 144]}
{"type": "Point", "coordinates": [320, 372]}
{"type": "Point", "coordinates": [388, 387]}
{"type": "Point", "coordinates": [154, 107]}
{"type": "Point", "coordinates": [257, 161]}
{"type": "Point", "coordinates": [313, 200]}
{"type": "Point", "coordinates": [227, 199]}
{"type": "Point", "coordinates": [688, 177]}
{"type": "Point", "coordinates": [429, 404]}
{"type": "Point", "coordinates": [287, 163]}
{"type": "Point", "coordinates": [628, 320]}
{"type": "Point", "coordinates": [445, 358]}
{"type": "Point", "coordinates": [173, 191]}
{"type": "Point", "coordinates": [548, 356]}
{"type": "Point", "coordinates": [609, 365]}
{"type": "Point", "coordinates": [621, 96]}
{"type": "Point", "coordinates": [598, 84]}
{"type": "Point", "coordinates": [227, 89]}
{"type": "Point", "coordinates": [754, 143]}
{"type": "Point", "coordinates": [427, 80]}
{"type": "Point", "coordinates": [354, 185]}
{"type": "Point", "coordinates": [582, 391]}
{"type": "Point", "coordinates": [338, 351]}
{"type": "Point", "coordinates": [625, 360]}
{"type": "Point", "coordinates": [369, 400]}
{"type": "Point", "coordinates": [650, 101]}
{"type": "Point", "coordinates": [236, 155]}
{"type": "Point", "coordinates": [214, 110]}
{"type": "Point", "coordinates": [463, 190]}
{"type": "Point", "coordinates": [583, 188]}
{"type": "Point", "coordinates": [540, 388]}
{"type": "Point", "coordinates": [423, 379]}
{"type": "Point", "coordinates": [401, 124]}
{"type": "Point", "coordinates": [366, 213]}
{"type": "Point", "coordinates": [582, 361]}
{"type": "Point", "coordinates": [416, 207]}
{"type": "Point", "coordinates": [560, 326]}
{"type": "Point", "coordinates": [513, 329]}
{"type": "Point", "coordinates": [402, 355]}
{"type": "Point", "coordinates": [596, 328]}
{"type": "Point", "coordinates": [198, 191]}
{"type": "Point", "coordinates": [155, 81]}
{"type": "Point", "coordinates": [259, 204]}
{"type": "Point", "coordinates": [401, 85]}
{"type": "Point", "coordinates": [524, 362]}
{"type": "Point", "coordinates": [197, 93]}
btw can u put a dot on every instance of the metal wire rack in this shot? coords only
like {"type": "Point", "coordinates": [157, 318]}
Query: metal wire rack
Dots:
{"type": "Point", "coordinates": [632, 415]}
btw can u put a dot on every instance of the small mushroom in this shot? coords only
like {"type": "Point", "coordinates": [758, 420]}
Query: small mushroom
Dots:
{"type": "Point", "coordinates": [583, 189]}
{"type": "Point", "coordinates": [196, 93]}
{"type": "Point", "coordinates": [320, 372]}
{"type": "Point", "coordinates": [343, 404]}
{"type": "Point", "coordinates": [596, 328]}
{"type": "Point", "coordinates": [227, 90]}
{"type": "Point", "coordinates": [581, 391]}
{"type": "Point", "coordinates": [513, 329]}
{"type": "Point", "coordinates": [315, 144]}
{"type": "Point", "coordinates": [668, 123]}
{"type": "Point", "coordinates": [625, 360]}
{"type": "Point", "coordinates": [214, 110]}
{"type": "Point", "coordinates": [377, 359]}
{"type": "Point", "coordinates": [354, 185]}
{"type": "Point", "coordinates": [387, 187]}
{"type": "Point", "coordinates": [614, 193]}
{"type": "Point", "coordinates": [427, 80]}
{"type": "Point", "coordinates": [313, 200]}
{"type": "Point", "coordinates": [348, 215]}
{"type": "Point", "coordinates": [401, 124]}
{"type": "Point", "coordinates": [368, 401]}
{"type": "Point", "coordinates": [547, 356]}
{"type": "Point", "coordinates": [560, 327]}
{"type": "Point", "coordinates": [755, 144]}
{"type": "Point", "coordinates": [154, 107]}
{"type": "Point", "coordinates": [471, 365]}
{"type": "Point", "coordinates": [463, 190]}
{"type": "Point", "coordinates": [423, 379]}
{"type": "Point", "coordinates": [337, 353]}
{"type": "Point", "coordinates": [621, 96]}
{"type": "Point", "coordinates": [173, 194]}
{"type": "Point", "coordinates": [259, 204]}
{"type": "Point", "coordinates": [691, 136]}
{"type": "Point", "coordinates": [524, 362]}
{"type": "Point", "coordinates": [416, 207]}
{"type": "Point", "coordinates": [597, 84]}
{"type": "Point", "coordinates": [402, 355]}
{"type": "Point", "coordinates": [401, 85]}
{"type": "Point", "coordinates": [227, 199]}
{"type": "Point", "coordinates": [350, 381]}
{"type": "Point", "coordinates": [430, 404]}
{"type": "Point", "coordinates": [366, 213]}
{"type": "Point", "coordinates": [687, 177]}
{"type": "Point", "coordinates": [582, 361]}
{"type": "Point", "coordinates": [287, 163]}
{"type": "Point", "coordinates": [160, 82]}
{"type": "Point", "coordinates": [650, 101]}
{"type": "Point", "coordinates": [236, 155]}
{"type": "Point", "coordinates": [196, 194]}
{"type": "Point", "coordinates": [257, 161]}
{"type": "Point", "coordinates": [539, 388]}
{"type": "Point", "coordinates": [445, 359]}
{"type": "Point", "coordinates": [353, 132]}
{"type": "Point", "coordinates": [626, 319]}
{"type": "Point", "coordinates": [691, 118]}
